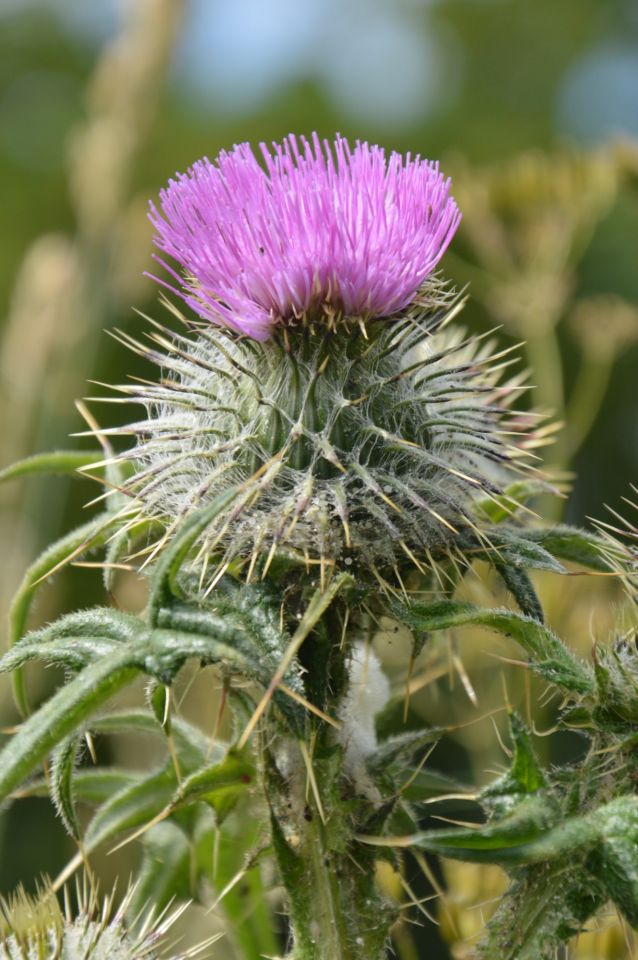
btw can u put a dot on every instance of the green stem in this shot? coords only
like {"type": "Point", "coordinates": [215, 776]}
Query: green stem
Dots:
{"type": "Point", "coordinates": [336, 912]}
{"type": "Point", "coordinates": [585, 402]}
{"type": "Point", "coordinates": [328, 928]}
{"type": "Point", "coordinates": [543, 353]}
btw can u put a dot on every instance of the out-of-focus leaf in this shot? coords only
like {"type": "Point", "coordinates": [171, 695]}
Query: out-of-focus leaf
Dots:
{"type": "Point", "coordinates": [191, 745]}
{"type": "Point", "coordinates": [92, 785]}
{"type": "Point", "coordinates": [425, 784]}
{"type": "Point", "coordinates": [58, 461]}
{"type": "Point", "coordinates": [236, 849]}
{"type": "Point", "coordinates": [135, 805]}
{"type": "Point", "coordinates": [165, 872]}
{"type": "Point", "coordinates": [502, 507]}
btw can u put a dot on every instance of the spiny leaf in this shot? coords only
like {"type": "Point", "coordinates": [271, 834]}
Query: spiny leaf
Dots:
{"type": "Point", "coordinates": [230, 645]}
{"type": "Point", "coordinates": [548, 655]}
{"type": "Point", "coordinates": [615, 861]}
{"type": "Point", "coordinates": [522, 589]}
{"type": "Point", "coordinates": [510, 840]}
{"type": "Point", "coordinates": [165, 577]}
{"type": "Point", "coordinates": [542, 910]}
{"type": "Point", "coordinates": [573, 545]}
{"type": "Point", "coordinates": [524, 769]}
{"type": "Point", "coordinates": [161, 793]}
{"type": "Point", "coordinates": [402, 747]}
{"type": "Point", "coordinates": [92, 785]}
{"type": "Point", "coordinates": [523, 778]}
{"type": "Point", "coordinates": [502, 507]}
{"type": "Point", "coordinates": [61, 715]}
{"type": "Point", "coordinates": [234, 770]}
{"type": "Point", "coordinates": [133, 806]}
{"type": "Point", "coordinates": [519, 550]}
{"type": "Point", "coordinates": [74, 653]}
{"type": "Point", "coordinates": [95, 621]}
{"type": "Point", "coordinates": [64, 760]}
{"type": "Point", "coordinates": [75, 543]}
{"type": "Point", "coordinates": [58, 461]}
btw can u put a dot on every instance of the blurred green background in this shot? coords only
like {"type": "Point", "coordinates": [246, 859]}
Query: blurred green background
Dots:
{"type": "Point", "coordinates": [532, 107]}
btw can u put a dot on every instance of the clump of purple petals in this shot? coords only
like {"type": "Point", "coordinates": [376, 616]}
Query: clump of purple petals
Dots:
{"type": "Point", "coordinates": [319, 226]}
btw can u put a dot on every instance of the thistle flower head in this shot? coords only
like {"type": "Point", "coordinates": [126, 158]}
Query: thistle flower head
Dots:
{"type": "Point", "coordinates": [37, 928]}
{"type": "Point", "coordinates": [320, 230]}
{"type": "Point", "coordinates": [362, 436]}
{"type": "Point", "coordinates": [365, 452]}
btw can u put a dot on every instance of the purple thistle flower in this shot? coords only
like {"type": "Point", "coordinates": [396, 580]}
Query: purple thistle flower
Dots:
{"type": "Point", "coordinates": [324, 227]}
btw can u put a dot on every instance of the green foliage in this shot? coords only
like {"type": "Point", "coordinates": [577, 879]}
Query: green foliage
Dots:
{"type": "Point", "coordinates": [61, 462]}
{"type": "Point", "coordinates": [548, 656]}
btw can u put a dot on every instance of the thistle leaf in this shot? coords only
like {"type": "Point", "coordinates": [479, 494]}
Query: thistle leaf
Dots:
{"type": "Point", "coordinates": [164, 581]}
{"type": "Point", "coordinates": [74, 653]}
{"type": "Point", "coordinates": [511, 547]}
{"type": "Point", "coordinates": [61, 715]}
{"type": "Point", "coordinates": [512, 840]}
{"type": "Point", "coordinates": [73, 544]}
{"type": "Point", "coordinates": [615, 861]}
{"type": "Point", "coordinates": [545, 907]}
{"type": "Point", "coordinates": [233, 771]}
{"type": "Point", "coordinates": [548, 655]}
{"type": "Point", "coordinates": [574, 546]}
{"type": "Point", "coordinates": [134, 806]}
{"type": "Point", "coordinates": [92, 785]}
{"type": "Point", "coordinates": [500, 507]}
{"type": "Point", "coordinates": [64, 760]}
{"type": "Point", "coordinates": [402, 747]}
{"type": "Point", "coordinates": [522, 589]}
{"type": "Point", "coordinates": [58, 461]}
{"type": "Point", "coordinates": [524, 552]}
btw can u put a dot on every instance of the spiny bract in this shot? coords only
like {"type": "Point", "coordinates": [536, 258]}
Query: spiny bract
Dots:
{"type": "Point", "coordinates": [364, 448]}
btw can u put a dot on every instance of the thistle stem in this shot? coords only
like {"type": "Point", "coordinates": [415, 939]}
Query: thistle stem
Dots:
{"type": "Point", "coordinates": [328, 928]}
{"type": "Point", "coordinates": [335, 909]}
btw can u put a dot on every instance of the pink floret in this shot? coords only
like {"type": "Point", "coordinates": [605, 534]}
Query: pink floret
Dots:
{"type": "Point", "coordinates": [319, 226]}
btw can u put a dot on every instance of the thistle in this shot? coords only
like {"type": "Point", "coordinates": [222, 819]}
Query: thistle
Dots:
{"type": "Point", "coordinates": [36, 928]}
{"type": "Point", "coordinates": [324, 449]}
{"type": "Point", "coordinates": [359, 428]}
